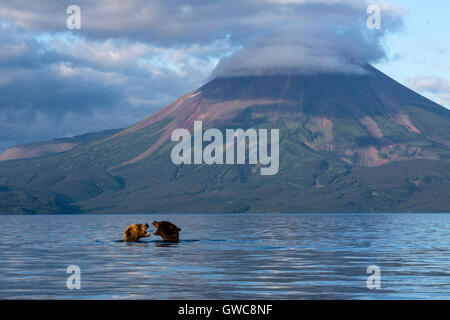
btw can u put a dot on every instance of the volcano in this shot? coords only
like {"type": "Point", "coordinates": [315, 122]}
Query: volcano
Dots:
{"type": "Point", "coordinates": [348, 143]}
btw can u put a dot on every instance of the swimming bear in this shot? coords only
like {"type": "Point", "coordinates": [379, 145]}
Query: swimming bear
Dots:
{"type": "Point", "coordinates": [136, 231]}
{"type": "Point", "coordinates": [168, 231]}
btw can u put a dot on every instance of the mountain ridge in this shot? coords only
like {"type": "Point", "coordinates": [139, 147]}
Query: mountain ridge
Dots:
{"type": "Point", "coordinates": [57, 145]}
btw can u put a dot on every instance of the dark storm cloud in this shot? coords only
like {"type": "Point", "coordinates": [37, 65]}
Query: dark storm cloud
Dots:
{"type": "Point", "coordinates": [132, 57]}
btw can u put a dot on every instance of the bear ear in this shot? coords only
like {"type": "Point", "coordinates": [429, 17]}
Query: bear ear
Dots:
{"type": "Point", "coordinates": [178, 229]}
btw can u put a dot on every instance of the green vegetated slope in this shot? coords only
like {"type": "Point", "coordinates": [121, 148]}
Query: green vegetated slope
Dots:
{"type": "Point", "coordinates": [348, 143]}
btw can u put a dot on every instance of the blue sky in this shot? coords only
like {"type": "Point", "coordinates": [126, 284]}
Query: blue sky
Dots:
{"type": "Point", "coordinates": [133, 57]}
{"type": "Point", "coordinates": [422, 49]}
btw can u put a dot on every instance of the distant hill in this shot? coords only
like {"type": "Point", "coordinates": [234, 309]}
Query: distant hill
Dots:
{"type": "Point", "coordinates": [46, 148]}
{"type": "Point", "coordinates": [348, 143]}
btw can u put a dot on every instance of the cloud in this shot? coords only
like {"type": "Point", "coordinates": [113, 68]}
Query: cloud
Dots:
{"type": "Point", "coordinates": [133, 57]}
{"type": "Point", "coordinates": [436, 86]}
{"type": "Point", "coordinates": [303, 35]}
{"type": "Point", "coordinates": [171, 22]}
{"type": "Point", "coordinates": [303, 54]}
{"type": "Point", "coordinates": [315, 36]}
{"type": "Point", "coordinates": [56, 85]}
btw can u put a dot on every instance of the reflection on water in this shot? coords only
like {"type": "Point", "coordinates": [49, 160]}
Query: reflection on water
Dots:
{"type": "Point", "coordinates": [247, 256]}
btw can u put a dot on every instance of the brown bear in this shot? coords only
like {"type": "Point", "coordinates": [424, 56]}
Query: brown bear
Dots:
{"type": "Point", "coordinates": [136, 231]}
{"type": "Point", "coordinates": [168, 231]}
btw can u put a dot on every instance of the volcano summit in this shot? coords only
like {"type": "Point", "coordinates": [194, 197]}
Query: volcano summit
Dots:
{"type": "Point", "coordinates": [347, 143]}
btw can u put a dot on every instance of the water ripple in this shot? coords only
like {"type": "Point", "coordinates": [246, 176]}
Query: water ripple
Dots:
{"type": "Point", "coordinates": [251, 256]}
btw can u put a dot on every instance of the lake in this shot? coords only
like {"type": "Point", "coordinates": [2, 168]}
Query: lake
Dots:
{"type": "Point", "coordinates": [228, 256]}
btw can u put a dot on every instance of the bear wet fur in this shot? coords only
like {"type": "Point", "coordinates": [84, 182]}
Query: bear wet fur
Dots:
{"type": "Point", "coordinates": [168, 231]}
{"type": "Point", "coordinates": [136, 231]}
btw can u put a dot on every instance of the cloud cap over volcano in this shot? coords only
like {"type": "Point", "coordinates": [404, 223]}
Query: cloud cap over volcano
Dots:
{"type": "Point", "coordinates": [316, 37]}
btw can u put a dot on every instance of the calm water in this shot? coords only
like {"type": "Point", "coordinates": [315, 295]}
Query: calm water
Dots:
{"type": "Point", "coordinates": [248, 256]}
